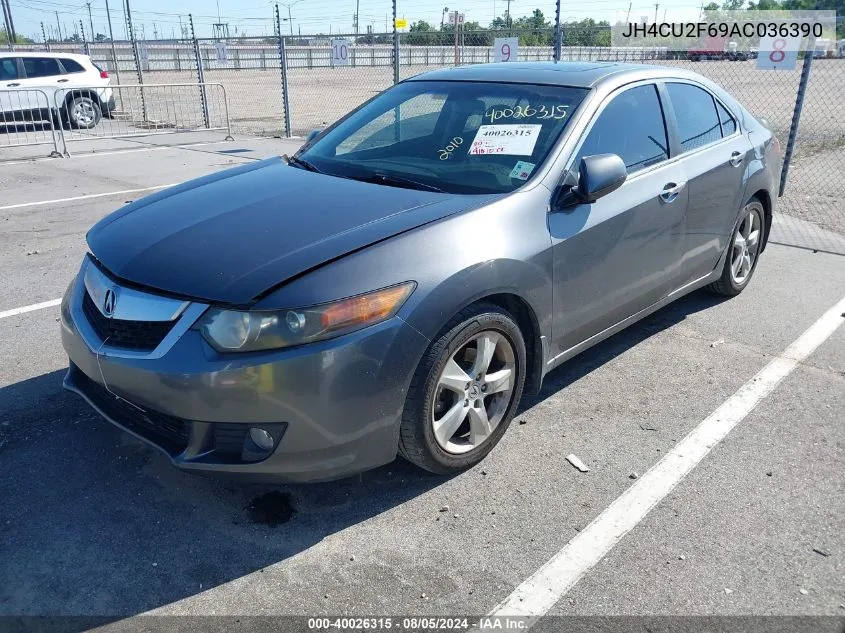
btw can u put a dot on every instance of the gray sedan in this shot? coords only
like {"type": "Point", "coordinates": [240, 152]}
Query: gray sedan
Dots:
{"type": "Point", "coordinates": [398, 284]}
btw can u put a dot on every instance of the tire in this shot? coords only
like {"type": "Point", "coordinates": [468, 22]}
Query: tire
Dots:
{"type": "Point", "coordinates": [83, 113]}
{"type": "Point", "coordinates": [429, 401]}
{"type": "Point", "coordinates": [730, 283]}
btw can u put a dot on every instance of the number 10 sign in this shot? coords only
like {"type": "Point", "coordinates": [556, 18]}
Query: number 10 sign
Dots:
{"type": "Point", "coordinates": [505, 49]}
{"type": "Point", "coordinates": [340, 51]}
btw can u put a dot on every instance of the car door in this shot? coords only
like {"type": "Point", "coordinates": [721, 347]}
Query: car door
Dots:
{"type": "Point", "coordinates": [715, 155]}
{"type": "Point", "coordinates": [44, 74]}
{"type": "Point", "coordinates": [9, 82]}
{"type": "Point", "coordinates": [620, 254]}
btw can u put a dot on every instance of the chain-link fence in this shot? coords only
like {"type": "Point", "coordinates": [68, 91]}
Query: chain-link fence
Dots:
{"type": "Point", "coordinates": [292, 85]}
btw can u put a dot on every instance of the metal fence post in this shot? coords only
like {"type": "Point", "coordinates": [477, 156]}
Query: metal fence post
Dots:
{"type": "Point", "coordinates": [283, 66]}
{"type": "Point", "coordinates": [558, 32]}
{"type": "Point", "coordinates": [796, 114]}
{"type": "Point", "coordinates": [395, 47]}
{"type": "Point", "coordinates": [137, 57]}
{"type": "Point", "coordinates": [113, 49]}
{"type": "Point", "coordinates": [200, 73]}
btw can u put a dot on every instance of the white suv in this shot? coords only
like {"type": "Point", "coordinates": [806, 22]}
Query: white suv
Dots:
{"type": "Point", "coordinates": [61, 84]}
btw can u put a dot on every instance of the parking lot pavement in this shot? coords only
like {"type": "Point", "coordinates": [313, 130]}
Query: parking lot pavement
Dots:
{"type": "Point", "coordinates": [94, 522]}
{"type": "Point", "coordinates": [48, 205]}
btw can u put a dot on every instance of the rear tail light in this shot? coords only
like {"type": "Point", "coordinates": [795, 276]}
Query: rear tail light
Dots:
{"type": "Point", "coordinates": [104, 74]}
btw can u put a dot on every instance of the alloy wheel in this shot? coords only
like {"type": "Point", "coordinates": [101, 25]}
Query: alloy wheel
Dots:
{"type": "Point", "coordinates": [746, 246]}
{"type": "Point", "coordinates": [473, 392]}
{"type": "Point", "coordinates": [83, 113]}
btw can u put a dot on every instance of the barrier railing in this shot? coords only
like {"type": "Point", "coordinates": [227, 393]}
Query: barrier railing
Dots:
{"type": "Point", "coordinates": [27, 118]}
{"type": "Point", "coordinates": [123, 111]}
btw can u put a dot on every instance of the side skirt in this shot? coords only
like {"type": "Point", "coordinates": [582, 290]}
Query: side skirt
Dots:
{"type": "Point", "coordinates": [613, 329]}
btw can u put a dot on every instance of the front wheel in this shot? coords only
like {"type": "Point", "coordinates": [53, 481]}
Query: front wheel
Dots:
{"type": "Point", "coordinates": [465, 391]}
{"type": "Point", "coordinates": [743, 251]}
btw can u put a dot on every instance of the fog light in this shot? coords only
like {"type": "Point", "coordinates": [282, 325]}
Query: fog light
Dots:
{"type": "Point", "coordinates": [261, 438]}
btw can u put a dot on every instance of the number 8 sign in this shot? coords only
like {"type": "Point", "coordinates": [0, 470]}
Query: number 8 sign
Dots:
{"type": "Point", "coordinates": [778, 53]}
{"type": "Point", "coordinates": [505, 49]}
{"type": "Point", "coordinates": [340, 51]}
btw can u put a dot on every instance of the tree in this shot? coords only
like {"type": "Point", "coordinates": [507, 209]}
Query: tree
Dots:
{"type": "Point", "coordinates": [99, 37]}
{"type": "Point", "coordinates": [420, 34]}
{"type": "Point", "coordinates": [19, 39]}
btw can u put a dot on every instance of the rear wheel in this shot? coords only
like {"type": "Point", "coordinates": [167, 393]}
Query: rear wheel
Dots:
{"type": "Point", "coordinates": [465, 391]}
{"type": "Point", "coordinates": [743, 252]}
{"type": "Point", "coordinates": [83, 113]}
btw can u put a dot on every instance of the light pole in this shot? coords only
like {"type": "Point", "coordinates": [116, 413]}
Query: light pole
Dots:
{"type": "Point", "coordinates": [288, 5]}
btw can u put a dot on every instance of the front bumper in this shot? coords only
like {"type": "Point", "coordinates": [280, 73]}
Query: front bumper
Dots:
{"type": "Point", "coordinates": [334, 407]}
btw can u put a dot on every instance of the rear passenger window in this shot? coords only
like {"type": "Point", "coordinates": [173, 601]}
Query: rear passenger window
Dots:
{"type": "Point", "coordinates": [727, 121]}
{"type": "Point", "coordinates": [41, 67]}
{"type": "Point", "coordinates": [632, 127]}
{"type": "Point", "coordinates": [8, 69]}
{"type": "Point", "coordinates": [72, 66]}
{"type": "Point", "coordinates": [695, 111]}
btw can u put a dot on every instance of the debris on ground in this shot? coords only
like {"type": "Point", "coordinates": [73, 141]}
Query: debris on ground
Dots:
{"type": "Point", "coordinates": [522, 421]}
{"type": "Point", "coordinates": [803, 591]}
{"type": "Point", "coordinates": [444, 509]}
{"type": "Point", "coordinates": [717, 342]}
{"type": "Point", "coordinates": [682, 557]}
{"type": "Point", "coordinates": [634, 475]}
{"type": "Point", "coordinates": [728, 591]}
{"type": "Point", "coordinates": [572, 459]}
{"type": "Point", "coordinates": [648, 427]}
{"type": "Point", "coordinates": [352, 558]}
{"type": "Point", "coordinates": [821, 552]}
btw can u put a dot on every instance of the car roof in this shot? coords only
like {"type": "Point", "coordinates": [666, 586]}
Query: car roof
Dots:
{"type": "Point", "coordinates": [76, 56]}
{"type": "Point", "coordinates": [573, 74]}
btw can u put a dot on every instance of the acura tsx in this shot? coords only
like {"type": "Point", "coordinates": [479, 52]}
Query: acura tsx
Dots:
{"type": "Point", "coordinates": [396, 285]}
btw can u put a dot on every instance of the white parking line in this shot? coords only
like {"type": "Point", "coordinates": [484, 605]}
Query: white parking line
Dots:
{"type": "Point", "coordinates": [88, 197]}
{"type": "Point", "coordinates": [149, 148]}
{"type": "Point", "coordinates": [31, 308]}
{"type": "Point", "coordinates": [540, 592]}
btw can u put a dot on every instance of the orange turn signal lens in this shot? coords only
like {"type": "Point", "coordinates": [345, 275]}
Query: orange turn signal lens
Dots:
{"type": "Point", "coordinates": [365, 309]}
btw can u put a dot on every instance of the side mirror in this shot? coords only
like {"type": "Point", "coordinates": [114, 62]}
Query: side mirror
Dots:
{"type": "Point", "coordinates": [312, 135]}
{"type": "Point", "coordinates": [599, 175]}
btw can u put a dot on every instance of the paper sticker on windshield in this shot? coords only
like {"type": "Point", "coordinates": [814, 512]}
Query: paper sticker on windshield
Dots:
{"type": "Point", "coordinates": [513, 140]}
{"type": "Point", "coordinates": [522, 170]}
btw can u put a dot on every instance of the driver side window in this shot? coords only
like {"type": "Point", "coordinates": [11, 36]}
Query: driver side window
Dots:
{"type": "Point", "coordinates": [632, 127]}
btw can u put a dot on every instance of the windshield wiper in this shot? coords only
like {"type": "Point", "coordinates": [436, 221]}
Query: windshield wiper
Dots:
{"type": "Point", "coordinates": [303, 164]}
{"type": "Point", "coordinates": [397, 181]}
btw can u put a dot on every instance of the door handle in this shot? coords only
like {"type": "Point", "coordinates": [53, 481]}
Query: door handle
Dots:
{"type": "Point", "coordinates": [670, 192]}
{"type": "Point", "coordinates": [12, 85]}
{"type": "Point", "coordinates": [62, 81]}
{"type": "Point", "coordinates": [736, 159]}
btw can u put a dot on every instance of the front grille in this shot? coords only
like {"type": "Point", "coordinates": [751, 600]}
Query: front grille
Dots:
{"type": "Point", "coordinates": [169, 432]}
{"type": "Point", "coordinates": [134, 335]}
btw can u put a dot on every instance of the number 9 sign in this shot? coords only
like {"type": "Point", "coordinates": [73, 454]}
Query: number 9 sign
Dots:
{"type": "Point", "coordinates": [505, 49]}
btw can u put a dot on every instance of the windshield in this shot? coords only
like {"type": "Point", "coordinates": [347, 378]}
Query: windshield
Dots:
{"type": "Point", "coordinates": [457, 137]}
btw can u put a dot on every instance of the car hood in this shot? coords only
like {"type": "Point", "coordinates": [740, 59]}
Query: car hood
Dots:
{"type": "Point", "coordinates": [232, 236]}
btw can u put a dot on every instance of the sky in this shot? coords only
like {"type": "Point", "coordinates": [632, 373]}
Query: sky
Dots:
{"type": "Point", "coordinates": [255, 17]}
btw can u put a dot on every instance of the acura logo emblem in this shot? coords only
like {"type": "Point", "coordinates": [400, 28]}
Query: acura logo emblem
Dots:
{"type": "Point", "coordinates": [109, 302]}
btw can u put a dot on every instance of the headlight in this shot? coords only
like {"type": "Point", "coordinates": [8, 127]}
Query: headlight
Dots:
{"type": "Point", "coordinates": [233, 331]}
